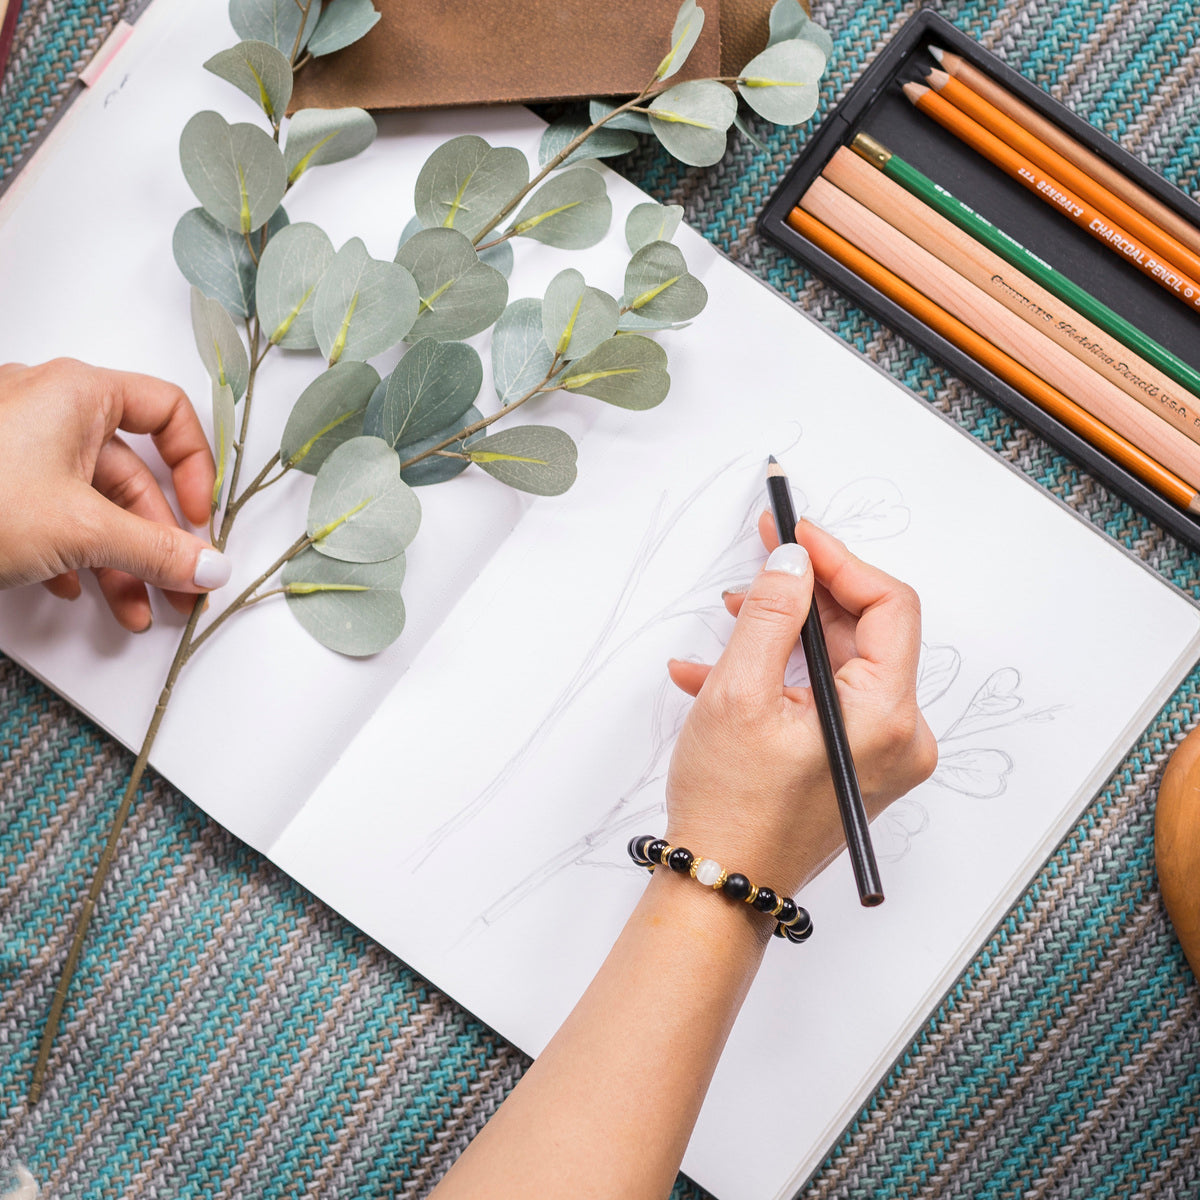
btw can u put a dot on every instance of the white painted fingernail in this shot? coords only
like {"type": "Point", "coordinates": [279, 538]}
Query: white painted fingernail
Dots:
{"type": "Point", "coordinates": [790, 558]}
{"type": "Point", "coordinates": [213, 569]}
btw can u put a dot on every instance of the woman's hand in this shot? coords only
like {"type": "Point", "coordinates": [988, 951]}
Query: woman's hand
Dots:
{"type": "Point", "coordinates": [749, 783]}
{"type": "Point", "coordinates": [75, 495]}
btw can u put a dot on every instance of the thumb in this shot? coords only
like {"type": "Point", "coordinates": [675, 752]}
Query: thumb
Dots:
{"type": "Point", "coordinates": [163, 555]}
{"type": "Point", "coordinates": [769, 621]}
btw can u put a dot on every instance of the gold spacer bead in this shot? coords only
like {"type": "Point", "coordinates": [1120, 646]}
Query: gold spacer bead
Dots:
{"type": "Point", "coordinates": [778, 906]}
{"type": "Point", "coordinates": [662, 858]}
{"type": "Point", "coordinates": [692, 869]}
{"type": "Point", "coordinates": [750, 899]}
{"type": "Point", "coordinates": [716, 887]}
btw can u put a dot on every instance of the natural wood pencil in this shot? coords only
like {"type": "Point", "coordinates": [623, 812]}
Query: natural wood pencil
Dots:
{"type": "Point", "coordinates": [888, 246]}
{"type": "Point", "coordinates": [1058, 139]}
{"type": "Point", "coordinates": [1063, 409]}
{"type": "Point", "coordinates": [1037, 151]}
{"type": "Point", "coordinates": [1056, 193]}
{"type": "Point", "coordinates": [1100, 351]}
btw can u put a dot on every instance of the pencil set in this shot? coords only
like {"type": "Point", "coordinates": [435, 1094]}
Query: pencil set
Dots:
{"type": "Point", "coordinates": [1001, 232]}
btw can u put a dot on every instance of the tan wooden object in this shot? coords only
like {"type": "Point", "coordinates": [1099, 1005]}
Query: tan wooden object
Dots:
{"type": "Point", "coordinates": [1177, 845]}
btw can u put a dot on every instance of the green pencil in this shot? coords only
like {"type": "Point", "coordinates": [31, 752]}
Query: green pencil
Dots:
{"type": "Point", "coordinates": [984, 231]}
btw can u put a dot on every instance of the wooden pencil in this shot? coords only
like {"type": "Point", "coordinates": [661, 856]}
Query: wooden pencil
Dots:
{"type": "Point", "coordinates": [1099, 351]}
{"type": "Point", "coordinates": [829, 710]}
{"type": "Point", "coordinates": [1079, 181]}
{"type": "Point", "coordinates": [1019, 377]}
{"type": "Point", "coordinates": [1058, 139]}
{"type": "Point", "coordinates": [888, 246]}
{"type": "Point", "coordinates": [1055, 193]}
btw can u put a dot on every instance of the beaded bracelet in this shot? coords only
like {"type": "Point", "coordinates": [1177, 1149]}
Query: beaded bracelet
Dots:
{"type": "Point", "coordinates": [793, 922]}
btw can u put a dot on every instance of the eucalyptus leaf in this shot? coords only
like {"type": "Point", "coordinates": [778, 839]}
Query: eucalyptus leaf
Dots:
{"type": "Point", "coordinates": [521, 358]}
{"type": "Point", "coordinates": [224, 432]}
{"type": "Point", "coordinates": [632, 323]}
{"type": "Point", "coordinates": [274, 21]}
{"type": "Point", "coordinates": [289, 270]}
{"type": "Point", "coordinates": [576, 318]}
{"type": "Point", "coordinates": [652, 223]}
{"type": "Point", "coordinates": [235, 171]}
{"type": "Point", "coordinates": [329, 412]}
{"type": "Point", "coordinates": [431, 388]}
{"type": "Point", "coordinates": [219, 345]}
{"type": "Point", "coordinates": [342, 23]}
{"type": "Point", "coordinates": [318, 136]}
{"type": "Point", "coordinates": [217, 260]}
{"type": "Point", "coordinates": [635, 122]}
{"type": "Point", "coordinates": [571, 211]}
{"type": "Point", "coordinates": [353, 608]}
{"type": "Point", "coordinates": [781, 82]}
{"type": "Point", "coordinates": [789, 20]}
{"type": "Point", "coordinates": [362, 306]}
{"type": "Point", "coordinates": [465, 183]}
{"type": "Point", "coordinates": [459, 294]}
{"type": "Point", "coordinates": [691, 120]}
{"type": "Point", "coordinates": [629, 371]}
{"type": "Point", "coordinates": [659, 287]}
{"type": "Point", "coordinates": [360, 509]}
{"type": "Point", "coordinates": [684, 35]}
{"type": "Point", "coordinates": [499, 258]}
{"type": "Point", "coordinates": [531, 458]}
{"type": "Point", "coordinates": [746, 130]}
{"type": "Point", "coordinates": [259, 70]}
{"type": "Point", "coordinates": [437, 468]}
{"type": "Point", "coordinates": [604, 143]}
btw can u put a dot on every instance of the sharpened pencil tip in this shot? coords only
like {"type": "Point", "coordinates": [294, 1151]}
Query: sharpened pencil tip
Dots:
{"type": "Point", "coordinates": [937, 53]}
{"type": "Point", "coordinates": [937, 80]}
{"type": "Point", "coordinates": [771, 458]}
{"type": "Point", "coordinates": [914, 91]}
{"type": "Point", "coordinates": [773, 467]}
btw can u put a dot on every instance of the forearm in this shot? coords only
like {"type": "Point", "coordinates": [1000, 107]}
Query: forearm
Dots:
{"type": "Point", "coordinates": [608, 1107]}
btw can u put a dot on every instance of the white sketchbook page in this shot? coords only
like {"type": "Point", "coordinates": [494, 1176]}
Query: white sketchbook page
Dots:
{"type": "Point", "coordinates": [540, 713]}
{"type": "Point", "coordinates": [86, 270]}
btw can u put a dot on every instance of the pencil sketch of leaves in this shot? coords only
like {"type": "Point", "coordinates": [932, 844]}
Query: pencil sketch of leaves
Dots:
{"type": "Point", "coordinates": [938, 669]}
{"type": "Point", "coordinates": [894, 831]}
{"type": "Point", "coordinates": [865, 510]}
{"type": "Point", "coordinates": [996, 698]}
{"type": "Point", "coordinates": [979, 773]}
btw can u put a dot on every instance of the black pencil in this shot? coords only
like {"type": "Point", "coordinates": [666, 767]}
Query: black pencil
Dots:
{"type": "Point", "coordinates": [829, 710]}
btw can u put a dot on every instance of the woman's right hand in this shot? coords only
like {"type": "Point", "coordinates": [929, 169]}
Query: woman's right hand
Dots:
{"type": "Point", "coordinates": [749, 782]}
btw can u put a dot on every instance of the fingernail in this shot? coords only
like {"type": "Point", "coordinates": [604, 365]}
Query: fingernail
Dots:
{"type": "Point", "coordinates": [740, 590]}
{"type": "Point", "coordinates": [213, 569]}
{"type": "Point", "coordinates": [791, 558]}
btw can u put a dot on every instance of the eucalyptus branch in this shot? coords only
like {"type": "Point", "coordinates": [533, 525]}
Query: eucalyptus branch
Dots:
{"type": "Point", "coordinates": [250, 247]}
{"type": "Point", "coordinates": [305, 7]}
{"type": "Point", "coordinates": [231, 511]}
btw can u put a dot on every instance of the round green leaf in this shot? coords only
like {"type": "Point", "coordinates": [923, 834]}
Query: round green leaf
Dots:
{"type": "Point", "coordinates": [571, 211]}
{"type": "Point", "coordinates": [329, 412]}
{"type": "Point", "coordinates": [430, 389]}
{"type": "Point", "coordinates": [789, 20]}
{"type": "Point", "coordinates": [235, 171]}
{"type": "Point", "coordinates": [317, 136]}
{"type": "Point", "coordinates": [684, 35]}
{"type": "Point", "coordinates": [743, 126]}
{"type": "Point", "coordinates": [342, 23]}
{"type": "Point", "coordinates": [289, 270]}
{"type": "Point", "coordinates": [520, 357]}
{"type": "Point", "coordinates": [781, 82]}
{"type": "Point", "coordinates": [652, 223]}
{"type": "Point", "coordinates": [259, 70]}
{"type": "Point", "coordinates": [576, 318]}
{"type": "Point", "coordinates": [631, 323]}
{"type": "Point", "coordinates": [362, 306]}
{"type": "Point", "coordinates": [499, 258]}
{"type": "Point", "coordinates": [604, 143]}
{"type": "Point", "coordinates": [224, 433]}
{"type": "Point", "coordinates": [361, 510]}
{"type": "Point", "coordinates": [659, 287]}
{"type": "Point", "coordinates": [629, 371]}
{"type": "Point", "coordinates": [219, 345]}
{"type": "Point", "coordinates": [634, 121]}
{"type": "Point", "coordinates": [217, 260]}
{"type": "Point", "coordinates": [437, 468]}
{"type": "Point", "coordinates": [531, 458]}
{"type": "Point", "coordinates": [465, 183]}
{"type": "Point", "coordinates": [460, 295]}
{"type": "Point", "coordinates": [353, 608]}
{"type": "Point", "coordinates": [273, 21]}
{"type": "Point", "coordinates": [691, 120]}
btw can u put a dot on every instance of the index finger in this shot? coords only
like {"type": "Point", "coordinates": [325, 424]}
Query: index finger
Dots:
{"type": "Point", "coordinates": [144, 404]}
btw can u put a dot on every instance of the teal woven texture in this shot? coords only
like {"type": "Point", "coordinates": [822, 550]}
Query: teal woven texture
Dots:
{"type": "Point", "coordinates": [229, 1036]}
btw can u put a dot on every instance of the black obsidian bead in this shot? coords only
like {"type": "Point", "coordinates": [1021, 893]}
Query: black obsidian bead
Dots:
{"type": "Point", "coordinates": [680, 860]}
{"type": "Point", "coordinates": [765, 900]}
{"type": "Point", "coordinates": [796, 933]}
{"type": "Point", "coordinates": [655, 849]}
{"type": "Point", "coordinates": [787, 914]}
{"type": "Point", "coordinates": [637, 849]}
{"type": "Point", "coordinates": [737, 887]}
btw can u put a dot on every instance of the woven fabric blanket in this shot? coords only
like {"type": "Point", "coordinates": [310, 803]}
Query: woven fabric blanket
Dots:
{"type": "Point", "coordinates": [230, 1036]}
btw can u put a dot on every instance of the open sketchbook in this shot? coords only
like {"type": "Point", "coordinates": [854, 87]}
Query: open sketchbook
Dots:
{"type": "Point", "coordinates": [506, 748]}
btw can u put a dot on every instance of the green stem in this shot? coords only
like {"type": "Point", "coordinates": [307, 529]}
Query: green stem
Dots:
{"type": "Point", "coordinates": [250, 247]}
{"type": "Point", "coordinates": [304, 6]}
{"type": "Point", "coordinates": [231, 510]}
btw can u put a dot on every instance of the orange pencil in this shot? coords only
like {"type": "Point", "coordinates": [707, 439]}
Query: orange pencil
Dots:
{"type": "Point", "coordinates": [1027, 143]}
{"type": "Point", "coordinates": [1074, 207]}
{"type": "Point", "coordinates": [1077, 419]}
{"type": "Point", "coordinates": [1058, 139]}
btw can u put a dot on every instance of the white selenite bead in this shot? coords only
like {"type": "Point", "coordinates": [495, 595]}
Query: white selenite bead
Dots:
{"type": "Point", "coordinates": [708, 871]}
